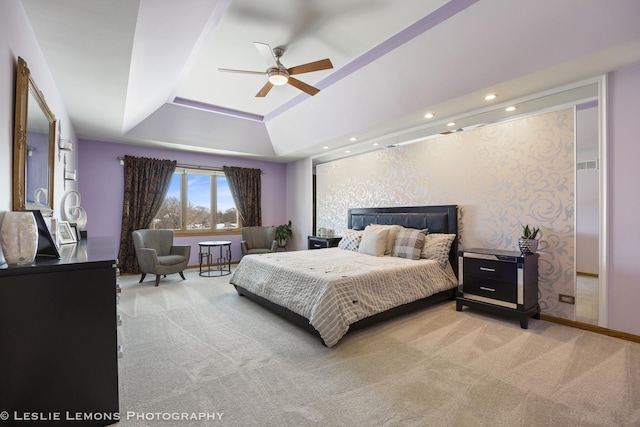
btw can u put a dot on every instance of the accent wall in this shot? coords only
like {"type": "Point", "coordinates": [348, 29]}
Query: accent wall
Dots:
{"type": "Point", "coordinates": [501, 176]}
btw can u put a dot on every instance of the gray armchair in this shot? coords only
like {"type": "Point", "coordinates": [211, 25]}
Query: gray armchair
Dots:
{"type": "Point", "coordinates": [258, 240]}
{"type": "Point", "coordinates": [157, 255]}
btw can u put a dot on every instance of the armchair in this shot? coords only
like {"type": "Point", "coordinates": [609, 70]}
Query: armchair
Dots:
{"type": "Point", "coordinates": [258, 240]}
{"type": "Point", "coordinates": [157, 255]}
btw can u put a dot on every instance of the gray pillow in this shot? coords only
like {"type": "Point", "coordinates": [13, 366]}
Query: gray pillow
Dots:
{"type": "Point", "coordinates": [409, 243]}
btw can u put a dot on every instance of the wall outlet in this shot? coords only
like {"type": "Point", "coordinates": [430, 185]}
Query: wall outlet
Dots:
{"type": "Point", "coordinates": [567, 298]}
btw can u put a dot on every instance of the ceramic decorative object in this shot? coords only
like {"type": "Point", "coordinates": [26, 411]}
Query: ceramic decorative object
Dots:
{"type": "Point", "coordinates": [528, 243]}
{"type": "Point", "coordinates": [528, 246]}
{"type": "Point", "coordinates": [19, 236]}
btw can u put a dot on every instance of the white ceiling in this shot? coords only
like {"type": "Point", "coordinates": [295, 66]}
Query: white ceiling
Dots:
{"type": "Point", "coordinates": [145, 71]}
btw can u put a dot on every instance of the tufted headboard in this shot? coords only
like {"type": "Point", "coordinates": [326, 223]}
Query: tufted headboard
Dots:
{"type": "Point", "coordinates": [438, 219]}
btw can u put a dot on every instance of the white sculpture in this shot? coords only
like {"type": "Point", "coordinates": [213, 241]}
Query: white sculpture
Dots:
{"type": "Point", "coordinates": [72, 211]}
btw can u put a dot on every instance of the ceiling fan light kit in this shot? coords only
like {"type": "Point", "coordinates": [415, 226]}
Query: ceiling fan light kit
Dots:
{"type": "Point", "coordinates": [278, 75]}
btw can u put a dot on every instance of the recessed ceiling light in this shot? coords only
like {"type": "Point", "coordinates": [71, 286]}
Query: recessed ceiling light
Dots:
{"type": "Point", "coordinates": [510, 109]}
{"type": "Point", "coordinates": [353, 138]}
{"type": "Point", "coordinates": [347, 151]}
{"type": "Point", "coordinates": [429, 116]}
{"type": "Point", "coordinates": [325, 148]}
{"type": "Point", "coordinates": [451, 124]}
{"type": "Point", "coordinates": [375, 144]}
{"type": "Point", "coordinates": [490, 97]}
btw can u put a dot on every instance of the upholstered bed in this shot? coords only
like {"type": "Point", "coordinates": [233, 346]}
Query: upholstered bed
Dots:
{"type": "Point", "coordinates": [331, 291]}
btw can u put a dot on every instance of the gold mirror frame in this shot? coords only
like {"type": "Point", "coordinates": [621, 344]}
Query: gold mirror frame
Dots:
{"type": "Point", "coordinates": [25, 89]}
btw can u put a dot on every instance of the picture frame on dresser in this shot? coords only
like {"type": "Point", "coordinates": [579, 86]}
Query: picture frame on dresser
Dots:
{"type": "Point", "coordinates": [47, 247]}
{"type": "Point", "coordinates": [66, 235]}
{"type": "Point", "coordinates": [76, 231]}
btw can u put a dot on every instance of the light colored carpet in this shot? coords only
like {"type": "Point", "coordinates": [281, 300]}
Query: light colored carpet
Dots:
{"type": "Point", "coordinates": [195, 347]}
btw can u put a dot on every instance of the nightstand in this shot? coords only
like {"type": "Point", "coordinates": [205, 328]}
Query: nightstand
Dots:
{"type": "Point", "coordinates": [316, 242]}
{"type": "Point", "coordinates": [500, 282]}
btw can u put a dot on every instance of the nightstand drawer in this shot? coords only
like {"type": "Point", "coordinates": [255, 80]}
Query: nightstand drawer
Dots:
{"type": "Point", "coordinates": [316, 242]}
{"type": "Point", "coordinates": [493, 289]}
{"type": "Point", "coordinates": [492, 270]}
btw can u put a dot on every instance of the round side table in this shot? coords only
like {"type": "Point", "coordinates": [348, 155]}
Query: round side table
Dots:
{"type": "Point", "coordinates": [222, 266]}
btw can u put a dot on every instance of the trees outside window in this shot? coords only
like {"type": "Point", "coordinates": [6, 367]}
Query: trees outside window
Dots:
{"type": "Point", "coordinates": [198, 201]}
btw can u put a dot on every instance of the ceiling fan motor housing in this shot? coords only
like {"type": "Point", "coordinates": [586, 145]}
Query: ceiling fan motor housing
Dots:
{"type": "Point", "coordinates": [278, 52]}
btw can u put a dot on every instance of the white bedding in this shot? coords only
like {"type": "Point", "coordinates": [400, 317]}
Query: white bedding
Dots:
{"type": "Point", "coordinates": [334, 288]}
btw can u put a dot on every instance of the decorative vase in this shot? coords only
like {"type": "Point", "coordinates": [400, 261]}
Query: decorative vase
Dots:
{"type": "Point", "coordinates": [19, 236]}
{"type": "Point", "coordinates": [528, 246]}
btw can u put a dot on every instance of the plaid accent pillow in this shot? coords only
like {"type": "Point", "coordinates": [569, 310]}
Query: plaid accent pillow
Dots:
{"type": "Point", "coordinates": [351, 240]}
{"type": "Point", "coordinates": [408, 244]}
{"type": "Point", "coordinates": [437, 246]}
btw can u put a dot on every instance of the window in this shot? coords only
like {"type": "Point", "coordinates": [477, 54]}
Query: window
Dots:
{"type": "Point", "coordinates": [198, 201]}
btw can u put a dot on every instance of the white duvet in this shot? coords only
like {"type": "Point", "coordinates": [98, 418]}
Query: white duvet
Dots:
{"type": "Point", "coordinates": [334, 288]}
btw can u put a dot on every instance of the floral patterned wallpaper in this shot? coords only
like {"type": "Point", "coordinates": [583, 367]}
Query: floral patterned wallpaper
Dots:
{"type": "Point", "coordinates": [500, 176]}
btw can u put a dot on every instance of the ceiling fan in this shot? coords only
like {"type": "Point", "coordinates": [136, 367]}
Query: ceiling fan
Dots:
{"type": "Point", "coordinates": [279, 75]}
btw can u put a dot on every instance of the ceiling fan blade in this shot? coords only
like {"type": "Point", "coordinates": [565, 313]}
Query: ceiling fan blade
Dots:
{"type": "Point", "coordinates": [230, 70]}
{"type": "Point", "coordinates": [303, 86]}
{"type": "Point", "coordinates": [267, 53]}
{"type": "Point", "coordinates": [323, 64]}
{"type": "Point", "coordinates": [265, 90]}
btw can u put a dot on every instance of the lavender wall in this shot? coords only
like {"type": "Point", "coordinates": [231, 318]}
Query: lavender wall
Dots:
{"type": "Point", "coordinates": [624, 175]}
{"type": "Point", "coordinates": [101, 183]}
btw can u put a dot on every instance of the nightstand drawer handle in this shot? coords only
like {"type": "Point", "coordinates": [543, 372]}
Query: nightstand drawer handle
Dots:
{"type": "Point", "coordinates": [487, 269]}
{"type": "Point", "coordinates": [484, 288]}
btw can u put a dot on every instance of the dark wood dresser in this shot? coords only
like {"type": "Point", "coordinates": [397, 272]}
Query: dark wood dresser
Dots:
{"type": "Point", "coordinates": [501, 282]}
{"type": "Point", "coordinates": [59, 356]}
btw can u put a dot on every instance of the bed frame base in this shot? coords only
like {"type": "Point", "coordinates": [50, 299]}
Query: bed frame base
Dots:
{"type": "Point", "coordinates": [438, 219]}
{"type": "Point", "coordinates": [303, 322]}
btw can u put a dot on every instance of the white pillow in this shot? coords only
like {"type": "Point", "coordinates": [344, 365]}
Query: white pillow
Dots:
{"type": "Point", "coordinates": [374, 241]}
{"type": "Point", "coordinates": [391, 238]}
{"type": "Point", "coordinates": [351, 240]}
{"type": "Point", "coordinates": [437, 246]}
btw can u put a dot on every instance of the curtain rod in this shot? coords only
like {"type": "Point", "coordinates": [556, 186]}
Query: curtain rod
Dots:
{"type": "Point", "coordinates": [182, 165]}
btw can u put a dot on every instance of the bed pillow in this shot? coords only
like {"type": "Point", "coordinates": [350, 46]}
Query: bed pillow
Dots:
{"type": "Point", "coordinates": [351, 240]}
{"type": "Point", "coordinates": [437, 246]}
{"type": "Point", "coordinates": [391, 237]}
{"type": "Point", "coordinates": [374, 241]}
{"type": "Point", "coordinates": [409, 243]}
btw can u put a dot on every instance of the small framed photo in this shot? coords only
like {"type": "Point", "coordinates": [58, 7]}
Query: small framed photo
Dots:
{"type": "Point", "coordinates": [65, 233]}
{"type": "Point", "coordinates": [76, 232]}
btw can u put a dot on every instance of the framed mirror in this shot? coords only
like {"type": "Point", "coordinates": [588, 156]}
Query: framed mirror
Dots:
{"type": "Point", "coordinates": [33, 146]}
